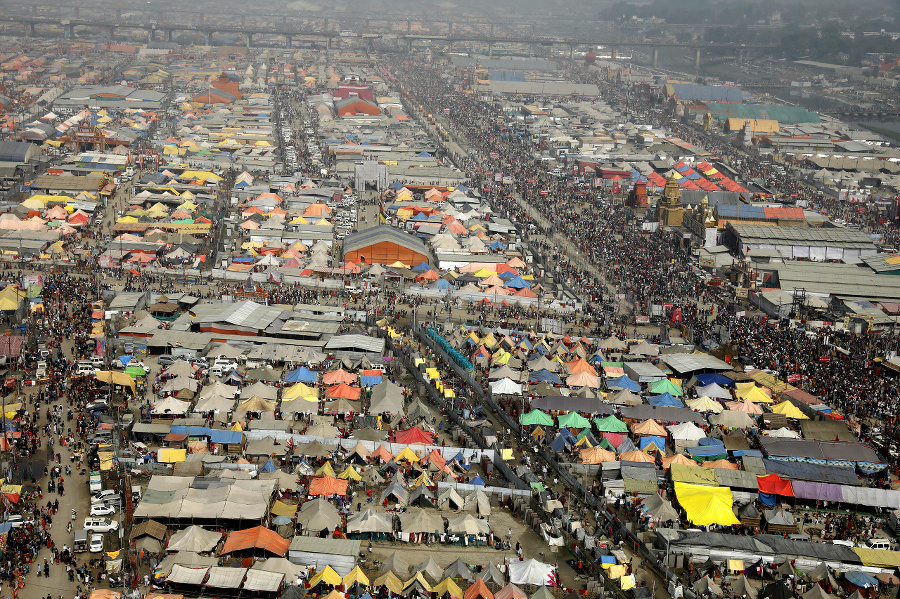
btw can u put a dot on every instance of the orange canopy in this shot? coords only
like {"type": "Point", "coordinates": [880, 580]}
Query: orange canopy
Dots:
{"type": "Point", "coordinates": [635, 456]}
{"type": "Point", "coordinates": [383, 454]}
{"type": "Point", "coordinates": [327, 485]}
{"type": "Point", "coordinates": [580, 365]}
{"type": "Point", "coordinates": [258, 537]}
{"type": "Point", "coordinates": [649, 427]}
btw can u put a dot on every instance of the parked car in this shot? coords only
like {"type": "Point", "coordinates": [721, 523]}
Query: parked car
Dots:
{"type": "Point", "coordinates": [166, 360]}
{"type": "Point", "coordinates": [97, 406]}
{"type": "Point", "coordinates": [102, 496]}
{"type": "Point", "coordinates": [100, 524]}
{"type": "Point", "coordinates": [102, 509]}
{"type": "Point", "coordinates": [96, 543]}
{"type": "Point", "coordinates": [18, 521]}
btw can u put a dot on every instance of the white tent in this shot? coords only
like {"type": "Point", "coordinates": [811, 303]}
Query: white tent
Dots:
{"type": "Point", "coordinates": [505, 386]}
{"type": "Point", "coordinates": [686, 431]}
{"type": "Point", "coordinates": [529, 572]}
{"type": "Point", "coordinates": [194, 538]}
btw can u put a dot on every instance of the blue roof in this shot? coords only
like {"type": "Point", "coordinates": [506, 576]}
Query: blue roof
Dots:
{"type": "Point", "coordinates": [708, 93]}
{"type": "Point", "coordinates": [518, 283]}
{"type": "Point", "coordinates": [191, 431]}
{"type": "Point", "coordinates": [707, 451]}
{"type": "Point", "coordinates": [660, 442]}
{"type": "Point", "coordinates": [665, 399]}
{"type": "Point", "coordinates": [477, 481]}
{"type": "Point", "coordinates": [302, 374]}
{"type": "Point", "coordinates": [370, 381]}
{"type": "Point", "coordinates": [217, 436]}
{"type": "Point", "coordinates": [268, 467]}
{"type": "Point", "coordinates": [544, 376]}
{"type": "Point", "coordinates": [714, 377]}
{"type": "Point", "coordinates": [860, 579]}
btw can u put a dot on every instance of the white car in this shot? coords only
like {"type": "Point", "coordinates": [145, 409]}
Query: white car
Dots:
{"type": "Point", "coordinates": [102, 509]}
{"type": "Point", "coordinates": [100, 524]}
{"type": "Point", "coordinates": [96, 544]}
{"type": "Point", "coordinates": [140, 365]}
{"type": "Point", "coordinates": [103, 496]}
{"type": "Point", "coordinates": [18, 521]}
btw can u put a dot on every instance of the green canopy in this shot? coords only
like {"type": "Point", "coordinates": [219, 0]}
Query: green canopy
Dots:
{"type": "Point", "coordinates": [666, 386]}
{"type": "Point", "coordinates": [539, 487]}
{"type": "Point", "coordinates": [34, 291]}
{"type": "Point", "coordinates": [605, 444]}
{"type": "Point", "coordinates": [573, 420]}
{"type": "Point", "coordinates": [610, 424]}
{"type": "Point", "coordinates": [135, 371]}
{"type": "Point", "coordinates": [536, 417]}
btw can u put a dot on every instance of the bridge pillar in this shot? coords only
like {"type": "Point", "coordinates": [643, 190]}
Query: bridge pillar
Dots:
{"type": "Point", "coordinates": [612, 53]}
{"type": "Point", "coordinates": [243, 20]}
{"type": "Point", "coordinates": [76, 12]}
{"type": "Point", "coordinates": [368, 25]}
{"type": "Point", "coordinates": [208, 36]}
{"type": "Point", "coordinates": [655, 57]}
{"type": "Point", "coordinates": [697, 61]}
{"type": "Point", "coordinates": [31, 29]}
{"type": "Point", "coordinates": [490, 49]}
{"type": "Point", "coordinates": [492, 30]}
{"type": "Point", "coordinates": [742, 55]}
{"type": "Point", "coordinates": [326, 23]}
{"type": "Point", "coordinates": [118, 14]}
{"type": "Point", "coordinates": [289, 40]}
{"type": "Point", "coordinates": [249, 39]}
{"type": "Point", "coordinates": [534, 30]}
{"type": "Point", "coordinates": [200, 17]}
{"type": "Point", "coordinates": [449, 27]}
{"type": "Point", "coordinates": [112, 33]}
{"type": "Point", "coordinates": [409, 46]}
{"type": "Point", "coordinates": [169, 35]}
{"type": "Point", "coordinates": [571, 52]}
{"type": "Point", "coordinates": [408, 26]}
{"type": "Point", "coordinates": [68, 32]}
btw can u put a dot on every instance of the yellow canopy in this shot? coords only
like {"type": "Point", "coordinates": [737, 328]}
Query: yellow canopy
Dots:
{"type": "Point", "coordinates": [325, 470]}
{"type": "Point", "coordinates": [282, 509]}
{"type": "Point", "coordinates": [390, 580]}
{"type": "Point", "coordinates": [447, 587]}
{"type": "Point", "coordinates": [117, 378]}
{"type": "Point", "coordinates": [350, 473]}
{"type": "Point", "coordinates": [706, 505]}
{"type": "Point", "coordinates": [169, 455]}
{"type": "Point", "coordinates": [754, 394]}
{"type": "Point", "coordinates": [10, 298]}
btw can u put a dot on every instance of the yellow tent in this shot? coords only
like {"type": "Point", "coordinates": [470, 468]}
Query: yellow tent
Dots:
{"type": "Point", "coordinates": [433, 373]}
{"type": "Point", "coordinates": [406, 454]}
{"type": "Point", "coordinates": [350, 473]}
{"type": "Point", "coordinates": [237, 427]}
{"type": "Point", "coordinates": [300, 391]}
{"type": "Point", "coordinates": [706, 505]}
{"type": "Point", "coordinates": [355, 576]}
{"type": "Point", "coordinates": [390, 580]}
{"type": "Point", "coordinates": [282, 509]}
{"type": "Point", "coordinates": [10, 298]}
{"type": "Point", "coordinates": [299, 221]}
{"type": "Point", "coordinates": [325, 470]}
{"type": "Point", "coordinates": [169, 455]}
{"type": "Point", "coordinates": [116, 378]}
{"type": "Point", "coordinates": [326, 575]}
{"type": "Point", "coordinates": [33, 203]}
{"type": "Point", "coordinates": [789, 410]}
{"type": "Point", "coordinates": [754, 394]}
{"type": "Point", "coordinates": [418, 577]}
{"type": "Point", "coordinates": [447, 587]}
{"type": "Point", "coordinates": [483, 273]}
{"type": "Point", "coordinates": [422, 480]}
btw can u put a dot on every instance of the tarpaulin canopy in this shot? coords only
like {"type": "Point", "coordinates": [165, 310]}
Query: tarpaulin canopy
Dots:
{"type": "Point", "coordinates": [706, 505]}
{"type": "Point", "coordinates": [257, 537]}
{"type": "Point", "coordinates": [774, 484]}
{"type": "Point", "coordinates": [328, 485]}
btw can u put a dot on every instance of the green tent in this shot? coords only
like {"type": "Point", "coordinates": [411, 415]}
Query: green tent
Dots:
{"type": "Point", "coordinates": [536, 417]}
{"type": "Point", "coordinates": [666, 386]}
{"type": "Point", "coordinates": [610, 424]}
{"type": "Point", "coordinates": [573, 420]}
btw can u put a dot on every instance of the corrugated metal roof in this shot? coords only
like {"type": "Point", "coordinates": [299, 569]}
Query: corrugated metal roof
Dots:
{"type": "Point", "coordinates": [356, 342]}
{"type": "Point", "coordinates": [332, 546]}
{"type": "Point", "coordinates": [685, 363]}
{"type": "Point", "coordinates": [812, 236]}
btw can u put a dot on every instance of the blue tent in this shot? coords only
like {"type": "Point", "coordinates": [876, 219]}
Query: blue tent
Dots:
{"type": "Point", "coordinates": [709, 452]}
{"type": "Point", "coordinates": [626, 445]}
{"type": "Point", "coordinates": [562, 439]}
{"type": "Point", "coordinates": [423, 155]}
{"type": "Point", "coordinates": [860, 579]}
{"type": "Point", "coordinates": [301, 375]}
{"type": "Point", "coordinates": [477, 481]}
{"type": "Point", "coordinates": [544, 376]}
{"type": "Point", "coordinates": [268, 467]}
{"type": "Point", "coordinates": [8, 425]}
{"type": "Point", "coordinates": [665, 399]}
{"type": "Point", "coordinates": [623, 382]}
{"type": "Point", "coordinates": [442, 284]}
{"type": "Point", "coordinates": [396, 186]}
{"type": "Point", "coordinates": [711, 441]}
{"type": "Point", "coordinates": [125, 360]}
{"type": "Point", "coordinates": [518, 283]}
{"type": "Point", "coordinates": [497, 246]}
{"type": "Point", "coordinates": [462, 188]}
{"type": "Point", "coordinates": [660, 442]}
{"type": "Point", "coordinates": [420, 216]}
{"type": "Point", "coordinates": [423, 266]}
{"type": "Point", "coordinates": [708, 378]}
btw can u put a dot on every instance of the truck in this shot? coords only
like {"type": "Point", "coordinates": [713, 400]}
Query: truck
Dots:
{"type": "Point", "coordinates": [80, 545]}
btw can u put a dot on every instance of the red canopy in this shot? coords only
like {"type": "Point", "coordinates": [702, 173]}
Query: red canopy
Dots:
{"type": "Point", "coordinates": [343, 391]}
{"type": "Point", "coordinates": [774, 484]}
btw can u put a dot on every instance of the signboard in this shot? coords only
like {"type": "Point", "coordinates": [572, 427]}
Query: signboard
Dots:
{"type": "Point", "coordinates": [824, 359]}
{"type": "Point", "coordinates": [793, 378]}
{"type": "Point", "coordinates": [741, 292]}
{"type": "Point", "coordinates": [642, 319]}
{"type": "Point", "coordinates": [707, 262]}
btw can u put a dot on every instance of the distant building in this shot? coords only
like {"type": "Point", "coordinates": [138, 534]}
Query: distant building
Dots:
{"type": "Point", "coordinates": [671, 212]}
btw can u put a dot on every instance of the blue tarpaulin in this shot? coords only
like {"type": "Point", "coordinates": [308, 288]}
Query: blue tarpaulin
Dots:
{"type": "Point", "coordinates": [301, 375]}
{"type": "Point", "coordinates": [660, 442]}
{"type": "Point", "coordinates": [544, 376]}
{"type": "Point", "coordinates": [623, 382]}
{"type": "Point", "coordinates": [666, 399]}
{"type": "Point", "coordinates": [708, 378]}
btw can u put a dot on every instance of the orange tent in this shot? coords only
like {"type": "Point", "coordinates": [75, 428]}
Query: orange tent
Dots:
{"type": "Point", "coordinates": [338, 376]}
{"type": "Point", "coordinates": [435, 458]}
{"type": "Point", "coordinates": [383, 454]}
{"type": "Point", "coordinates": [258, 537]}
{"type": "Point", "coordinates": [636, 456]}
{"type": "Point", "coordinates": [580, 365]}
{"type": "Point", "coordinates": [724, 464]}
{"type": "Point", "coordinates": [478, 589]}
{"type": "Point", "coordinates": [326, 485]}
{"type": "Point", "coordinates": [677, 459]}
{"type": "Point", "coordinates": [343, 391]}
{"type": "Point", "coordinates": [649, 427]}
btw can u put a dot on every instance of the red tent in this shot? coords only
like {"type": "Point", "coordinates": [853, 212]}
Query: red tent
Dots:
{"type": "Point", "coordinates": [413, 436]}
